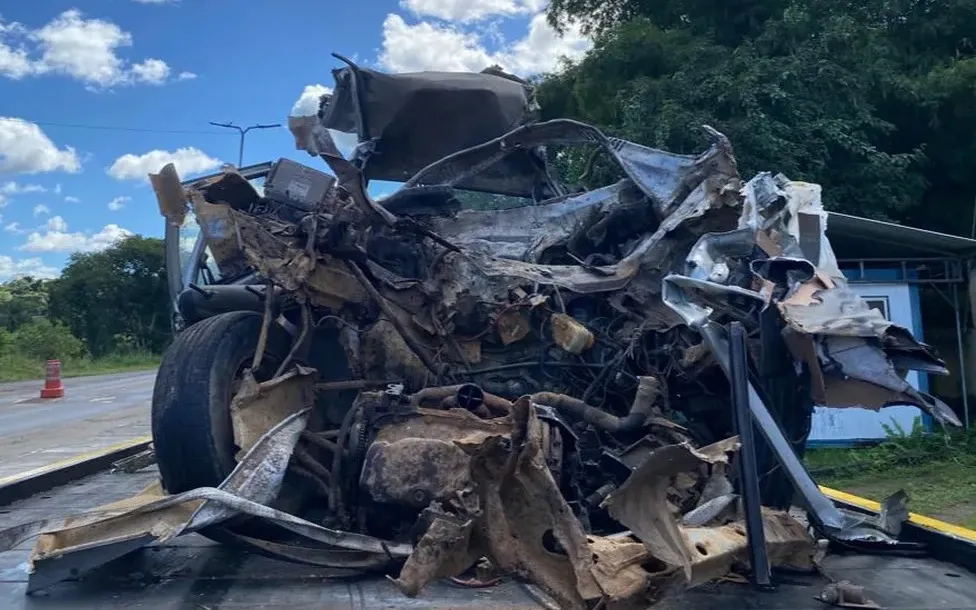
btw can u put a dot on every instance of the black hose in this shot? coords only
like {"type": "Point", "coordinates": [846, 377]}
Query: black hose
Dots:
{"type": "Point", "coordinates": [647, 391]}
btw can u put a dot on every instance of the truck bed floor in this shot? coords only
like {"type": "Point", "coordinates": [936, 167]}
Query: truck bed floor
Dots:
{"type": "Point", "coordinates": [192, 572]}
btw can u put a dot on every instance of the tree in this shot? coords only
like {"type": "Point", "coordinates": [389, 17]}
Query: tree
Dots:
{"type": "Point", "coordinates": [872, 99]}
{"type": "Point", "coordinates": [115, 299]}
{"type": "Point", "coordinates": [42, 340]}
{"type": "Point", "coordinates": [22, 300]}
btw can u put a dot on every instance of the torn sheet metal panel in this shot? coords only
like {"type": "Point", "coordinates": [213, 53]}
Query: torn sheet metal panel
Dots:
{"type": "Point", "coordinates": [150, 517]}
{"type": "Point", "coordinates": [641, 504]}
{"type": "Point", "coordinates": [524, 233]}
{"type": "Point", "coordinates": [524, 511]}
{"type": "Point", "coordinates": [849, 346]}
{"type": "Point", "coordinates": [259, 407]}
{"type": "Point", "coordinates": [170, 195]}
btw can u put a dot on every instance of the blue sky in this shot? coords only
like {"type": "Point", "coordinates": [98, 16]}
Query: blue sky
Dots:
{"type": "Point", "coordinates": [96, 93]}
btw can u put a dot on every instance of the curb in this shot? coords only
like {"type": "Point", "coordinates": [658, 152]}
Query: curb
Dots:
{"type": "Point", "coordinates": [25, 484]}
{"type": "Point", "coordinates": [942, 527]}
{"type": "Point", "coordinates": [945, 541]}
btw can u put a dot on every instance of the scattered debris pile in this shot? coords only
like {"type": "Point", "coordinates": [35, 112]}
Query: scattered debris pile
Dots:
{"type": "Point", "coordinates": [531, 374]}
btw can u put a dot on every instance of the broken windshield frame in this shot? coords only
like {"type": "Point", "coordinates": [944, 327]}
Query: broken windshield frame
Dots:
{"type": "Point", "coordinates": [182, 268]}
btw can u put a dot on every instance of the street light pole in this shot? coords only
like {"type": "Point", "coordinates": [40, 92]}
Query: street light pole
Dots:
{"type": "Point", "coordinates": [243, 131]}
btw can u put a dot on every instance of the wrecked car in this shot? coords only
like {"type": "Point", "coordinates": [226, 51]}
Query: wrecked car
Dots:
{"type": "Point", "coordinates": [492, 366]}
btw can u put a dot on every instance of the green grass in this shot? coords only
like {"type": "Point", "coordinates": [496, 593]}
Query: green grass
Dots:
{"type": "Point", "coordinates": [17, 368]}
{"type": "Point", "coordinates": [938, 471]}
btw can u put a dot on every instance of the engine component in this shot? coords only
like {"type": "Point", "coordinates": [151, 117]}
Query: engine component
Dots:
{"type": "Point", "coordinates": [570, 334]}
{"type": "Point", "coordinates": [414, 457]}
{"type": "Point", "coordinates": [297, 185]}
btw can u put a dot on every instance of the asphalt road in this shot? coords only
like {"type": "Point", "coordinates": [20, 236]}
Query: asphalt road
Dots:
{"type": "Point", "coordinates": [95, 412]}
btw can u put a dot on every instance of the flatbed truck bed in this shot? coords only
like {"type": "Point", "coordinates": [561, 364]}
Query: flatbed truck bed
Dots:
{"type": "Point", "coordinates": [193, 572]}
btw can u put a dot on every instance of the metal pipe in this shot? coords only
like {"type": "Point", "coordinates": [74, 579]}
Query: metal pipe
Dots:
{"type": "Point", "coordinates": [962, 357]}
{"type": "Point", "coordinates": [748, 469]}
{"type": "Point", "coordinates": [265, 324]}
{"type": "Point", "coordinates": [312, 465]}
{"type": "Point", "coordinates": [353, 384]}
{"type": "Point", "coordinates": [322, 486]}
{"type": "Point", "coordinates": [320, 442]}
{"type": "Point", "coordinates": [300, 341]}
{"type": "Point", "coordinates": [495, 404]}
{"type": "Point", "coordinates": [647, 391]}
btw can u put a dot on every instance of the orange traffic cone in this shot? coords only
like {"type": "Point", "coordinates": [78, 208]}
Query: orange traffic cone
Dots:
{"type": "Point", "coordinates": [53, 388]}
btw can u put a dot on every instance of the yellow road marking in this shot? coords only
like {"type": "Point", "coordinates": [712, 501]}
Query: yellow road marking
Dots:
{"type": "Point", "coordinates": [72, 461]}
{"type": "Point", "coordinates": [939, 526]}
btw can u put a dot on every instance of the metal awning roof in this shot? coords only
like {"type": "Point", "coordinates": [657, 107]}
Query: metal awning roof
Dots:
{"type": "Point", "coordinates": [856, 237]}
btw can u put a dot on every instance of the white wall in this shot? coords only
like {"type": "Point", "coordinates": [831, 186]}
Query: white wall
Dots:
{"type": "Point", "coordinates": [838, 425]}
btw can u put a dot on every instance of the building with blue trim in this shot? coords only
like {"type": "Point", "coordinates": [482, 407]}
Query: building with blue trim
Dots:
{"type": "Point", "coordinates": [920, 280]}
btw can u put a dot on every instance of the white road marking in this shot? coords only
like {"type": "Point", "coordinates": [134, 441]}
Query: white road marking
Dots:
{"type": "Point", "coordinates": [102, 399]}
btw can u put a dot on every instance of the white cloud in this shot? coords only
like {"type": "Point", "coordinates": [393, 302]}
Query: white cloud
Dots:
{"type": "Point", "coordinates": [465, 11]}
{"type": "Point", "coordinates": [13, 227]}
{"type": "Point", "coordinates": [184, 75]}
{"type": "Point", "coordinates": [34, 267]}
{"type": "Point", "coordinates": [87, 50]}
{"type": "Point", "coordinates": [56, 223]}
{"type": "Point", "coordinates": [57, 188]}
{"type": "Point", "coordinates": [62, 241]}
{"type": "Point", "coordinates": [26, 149]}
{"type": "Point", "coordinates": [71, 199]}
{"type": "Point", "coordinates": [14, 188]}
{"type": "Point", "coordinates": [425, 46]}
{"type": "Point", "coordinates": [541, 50]}
{"type": "Point", "coordinates": [151, 71]}
{"type": "Point", "coordinates": [307, 103]}
{"type": "Point", "coordinates": [137, 167]}
{"type": "Point", "coordinates": [14, 61]}
{"type": "Point", "coordinates": [40, 209]}
{"type": "Point", "coordinates": [118, 203]}
{"type": "Point", "coordinates": [431, 46]}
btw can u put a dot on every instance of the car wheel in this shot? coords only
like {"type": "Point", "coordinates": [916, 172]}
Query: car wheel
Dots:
{"type": "Point", "coordinates": [197, 378]}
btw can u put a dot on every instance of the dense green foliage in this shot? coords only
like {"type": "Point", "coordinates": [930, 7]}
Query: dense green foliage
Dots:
{"type": "Point", "coordinates": [115, 299]}
{"type": "Point", "coordinates": [900, 448]}
{"type": "Point", "coordinates": [108, 307]}
{"type": "Point", "coordinates": [876, 100]}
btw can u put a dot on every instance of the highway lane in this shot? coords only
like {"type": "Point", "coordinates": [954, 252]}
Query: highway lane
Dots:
{"type": "Point", "coordinates": [95, 412]}
{"type": "Point", "coordinates": [22, 410]}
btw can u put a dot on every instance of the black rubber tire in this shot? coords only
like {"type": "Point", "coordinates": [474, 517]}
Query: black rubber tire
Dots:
{"type": "Point", "coordinates": [191, 425]}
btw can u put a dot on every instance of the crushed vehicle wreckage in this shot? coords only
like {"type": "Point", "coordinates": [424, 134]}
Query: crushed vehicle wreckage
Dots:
{"type": "Point", "coordinates": [489, 364]}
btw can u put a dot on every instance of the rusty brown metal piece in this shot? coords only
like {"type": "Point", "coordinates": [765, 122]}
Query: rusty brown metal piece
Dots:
{"type": "Point", "coordinates": [444, 550]}
{"type": "Point", "coordinates": [641, 503]}
{"type": "Point", "coordinates": [170, 195]}
{"type": "Point", "coordinates": [570, 334]}
{"type": "Point", "coordinates": [524, 514]}
{"type": "Point", "coordinates": [258, 407]}
{"type": "Point", "coordinates": [418, 348]}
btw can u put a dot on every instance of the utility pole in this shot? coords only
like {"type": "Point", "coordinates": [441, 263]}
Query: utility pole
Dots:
{"type": "Point", "coordinates": [243, 131]}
